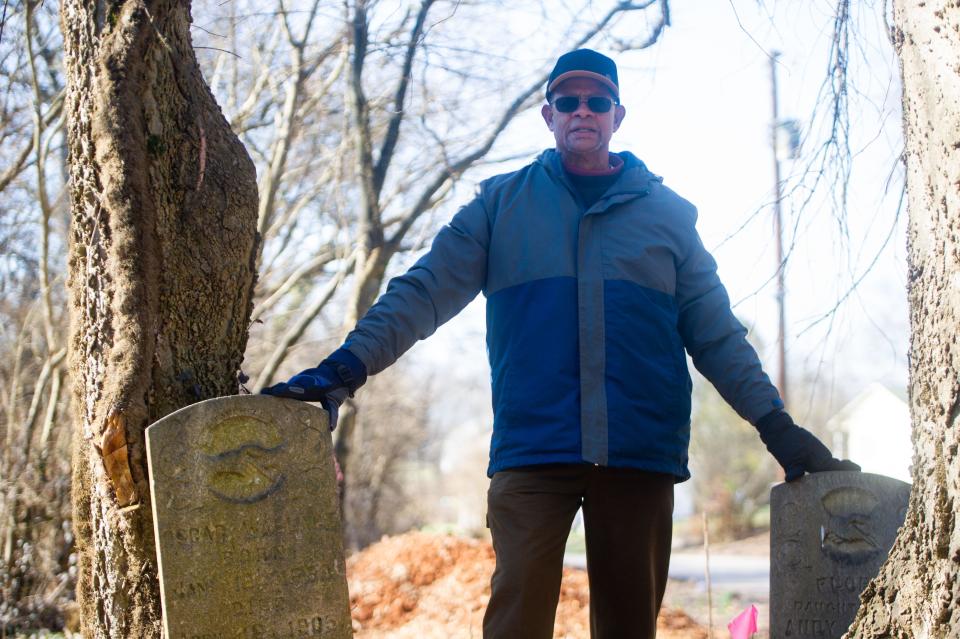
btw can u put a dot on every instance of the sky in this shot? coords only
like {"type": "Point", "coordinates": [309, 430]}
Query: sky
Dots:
{"type": "Point", "coordinates": [704, 111]}
{"type": "Point", "coordinates": [699, 114]}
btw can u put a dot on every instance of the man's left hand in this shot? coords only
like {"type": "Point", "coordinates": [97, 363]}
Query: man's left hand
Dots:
{"type": "Point", "coordinates": [796, 449]}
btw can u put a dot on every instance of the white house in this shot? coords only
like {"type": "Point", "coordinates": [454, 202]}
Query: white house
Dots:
{"type": "Point", "coordinates": [875, 428]}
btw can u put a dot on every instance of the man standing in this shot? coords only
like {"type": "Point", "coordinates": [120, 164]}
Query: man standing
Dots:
{"type": "Point", "coordinates": [597, 284]}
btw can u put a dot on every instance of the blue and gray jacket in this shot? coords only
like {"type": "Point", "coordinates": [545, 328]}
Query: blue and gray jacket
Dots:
{"type": "Point", "coordinates": [589, 311]}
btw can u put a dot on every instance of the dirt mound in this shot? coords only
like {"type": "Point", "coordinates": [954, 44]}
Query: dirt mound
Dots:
{"type": "Point", "coordinates": [427, 586]}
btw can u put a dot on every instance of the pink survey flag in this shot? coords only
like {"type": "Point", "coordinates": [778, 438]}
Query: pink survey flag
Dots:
{"type": "Point", "coordinates": [744, 625]}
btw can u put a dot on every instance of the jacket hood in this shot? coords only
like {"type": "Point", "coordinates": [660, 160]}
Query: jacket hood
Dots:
{"type": "Point", "coordinates": [635, 174]}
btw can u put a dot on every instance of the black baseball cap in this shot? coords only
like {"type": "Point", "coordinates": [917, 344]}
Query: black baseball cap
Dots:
{"type": "Point", "coordinates": [585, 63]}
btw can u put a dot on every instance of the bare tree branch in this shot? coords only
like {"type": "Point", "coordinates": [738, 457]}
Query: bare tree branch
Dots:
{"type": "Point", "coordinates": [306, 269]}
{"type": "Point", "coordinates": [393, 128]}
{"type": "Point", "coordinates": [50, 364]}
{"type": "Point", "coordinates": [288, 119]}
{"type": "Point", "coordinates": [246, 109]}
{"type": "Point", "coordinates": [53, 113]}
{"type": "Point", "coordinates": [369, 210]}
{"type": "Point", "coordinates": [53, 401]}
{"type": "Point", "coordinates": [42, 196]}
{"type": "Point", "coordinates": [295, 332]}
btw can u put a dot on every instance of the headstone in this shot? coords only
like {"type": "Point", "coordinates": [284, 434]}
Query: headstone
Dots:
{"type": "Point", "coordinates": [829, 534]}
{"type": "Point", "coordinates": [246, 521]}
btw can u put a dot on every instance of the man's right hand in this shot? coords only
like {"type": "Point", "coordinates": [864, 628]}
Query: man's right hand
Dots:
{"type": "Point", "coordinates": [329, 383]}
{"type": "Point", "coordinates": [311, 385]}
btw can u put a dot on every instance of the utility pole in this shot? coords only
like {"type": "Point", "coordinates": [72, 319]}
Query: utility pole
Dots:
{"type": "Point", "coordinates": [778, 232]}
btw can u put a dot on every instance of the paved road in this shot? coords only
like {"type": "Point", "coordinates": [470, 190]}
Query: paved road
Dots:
{"type": "Point", "coordinates": [745, 574]}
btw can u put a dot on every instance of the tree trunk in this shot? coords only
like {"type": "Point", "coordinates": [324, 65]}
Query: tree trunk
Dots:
{"type": "Point", "coordinates": [163, 240]}
{"type": "Point", "coordinates": [370, 272]}
{"type": "Point", "coordinates": [917, 593]}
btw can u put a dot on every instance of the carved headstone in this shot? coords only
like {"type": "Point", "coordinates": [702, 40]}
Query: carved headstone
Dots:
{"type": "Point", "coordinates": [829, 534]}
{"type": "Point", "coordinates": [246, 521]}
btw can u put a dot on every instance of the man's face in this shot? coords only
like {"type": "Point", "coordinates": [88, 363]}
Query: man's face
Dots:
{"type": "Point", "coordinates": [582, 132]}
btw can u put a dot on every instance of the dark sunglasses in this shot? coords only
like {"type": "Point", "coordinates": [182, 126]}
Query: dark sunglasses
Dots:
{"type": "Point", "coordinates": [570, 103]}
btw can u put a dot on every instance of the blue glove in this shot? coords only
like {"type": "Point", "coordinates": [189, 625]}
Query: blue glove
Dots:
{"type": "Point", "coordinates": [796, 449]}
{"type": "Point", "coordinates": [329, 383]}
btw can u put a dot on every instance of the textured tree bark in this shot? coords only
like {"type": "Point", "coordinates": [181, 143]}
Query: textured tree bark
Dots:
{"type": "Point", "coordinates": [163, 242]}
{"type": "Point", "coordinates": [917, 594]}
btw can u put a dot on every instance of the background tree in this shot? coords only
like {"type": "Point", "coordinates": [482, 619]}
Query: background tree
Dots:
{"type": "Point", "coordinates": [162, 255]}
{"type": "Point", "coordinates": [35, 534]}
{"type": "Point", "coordinates": [917, 592]}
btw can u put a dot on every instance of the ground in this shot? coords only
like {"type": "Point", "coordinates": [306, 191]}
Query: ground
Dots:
{"type": "Point", "coordinates": [428, 586]}
{"type": "Point", "coordinates": [435, 586]}
{"type": "Point", "coordinates": [732, 591]}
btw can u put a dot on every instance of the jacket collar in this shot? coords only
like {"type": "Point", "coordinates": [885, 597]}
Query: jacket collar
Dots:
{"type": "Point", "coordinates": [635, 179]}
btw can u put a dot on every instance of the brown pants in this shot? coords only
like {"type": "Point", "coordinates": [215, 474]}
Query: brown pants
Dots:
{"type": "Point", "coordinates": [628, 522]}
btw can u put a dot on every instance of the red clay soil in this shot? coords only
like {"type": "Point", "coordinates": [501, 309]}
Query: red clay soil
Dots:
{"type": "Point", "coordinates": [427, 586]}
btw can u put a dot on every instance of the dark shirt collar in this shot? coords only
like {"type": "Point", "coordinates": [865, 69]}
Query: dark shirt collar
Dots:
{"type": "Point", "coordinates": [614, 167]}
